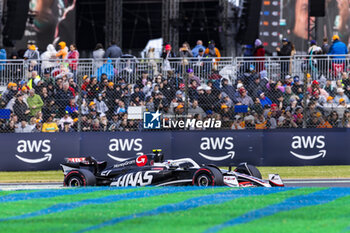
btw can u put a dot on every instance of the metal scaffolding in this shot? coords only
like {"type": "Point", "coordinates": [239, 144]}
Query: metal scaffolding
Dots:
{"type": "Point", "coordinates": [170, 22]}
{"type": "Point", "coordinates": [114, 22]}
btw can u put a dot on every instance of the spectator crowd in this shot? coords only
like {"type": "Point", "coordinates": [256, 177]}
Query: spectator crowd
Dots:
{"type": "Point", "coordinates": [52, 97]}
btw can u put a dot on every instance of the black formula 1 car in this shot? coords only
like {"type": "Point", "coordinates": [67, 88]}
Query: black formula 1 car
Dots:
{"type": "Point", "coordinates": [151, 169]}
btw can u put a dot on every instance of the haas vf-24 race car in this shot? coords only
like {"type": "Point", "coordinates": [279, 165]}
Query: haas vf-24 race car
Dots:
{"type": "Point", "coordinates": [151, 169]}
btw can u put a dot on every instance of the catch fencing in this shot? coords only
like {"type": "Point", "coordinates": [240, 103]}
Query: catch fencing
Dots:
{"type": "Point", "coordinates": [130, 68]}
{"type": "Point", "coordinates": [113, 94]}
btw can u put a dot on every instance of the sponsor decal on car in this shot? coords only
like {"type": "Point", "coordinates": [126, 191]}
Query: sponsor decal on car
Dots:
{"type": "Point", "coordinates": [308, 143]}
{"type": "Point", "coordinates": [141, 160]}
{"type": "Point", "coordinates": [135, 179]}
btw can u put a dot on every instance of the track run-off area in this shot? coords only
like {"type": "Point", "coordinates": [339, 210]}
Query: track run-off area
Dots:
{"type": "Point", "coordinates": [176, 209]}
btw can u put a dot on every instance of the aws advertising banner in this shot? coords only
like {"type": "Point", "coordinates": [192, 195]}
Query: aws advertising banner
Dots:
{"type": "Point", "coordinates": [218, 147]}
{"type": "Point", "coordinates": [307, 147]}
{"type": "Point", "coordinates": [45, 151]}
{"type": "Point", "coordinates": [118, 147]}
{"type": "Point", "coordinates": [36, 151]}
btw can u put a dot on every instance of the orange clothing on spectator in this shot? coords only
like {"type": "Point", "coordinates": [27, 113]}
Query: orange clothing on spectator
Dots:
{"type": "Point", "coordinates": [217, 52]}
{"type": "Point", "coordinates": [325, 125]}
{"type": "Point", "coordinates": [261, 125]}
{"type": "Point", "coordinates": [63, 52]}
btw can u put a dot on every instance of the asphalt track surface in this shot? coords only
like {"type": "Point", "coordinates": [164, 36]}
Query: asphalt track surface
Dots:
{"type": "Point", "coordinates": [288, 183]}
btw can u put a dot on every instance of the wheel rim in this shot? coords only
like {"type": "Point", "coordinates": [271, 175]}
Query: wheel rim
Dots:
{"type": "Point", "coordinates": [203, 181]}
{"type": "Point", "coordinates": [74, 182]}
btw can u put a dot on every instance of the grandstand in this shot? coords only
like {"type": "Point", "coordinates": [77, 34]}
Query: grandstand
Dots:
{"type": "Point", "coordinates": [111, 94]}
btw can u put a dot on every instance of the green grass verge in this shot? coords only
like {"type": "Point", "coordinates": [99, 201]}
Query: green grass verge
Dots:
{"type": "Point", "coordinates": [284, 172]}
{"type": "Point", "coordinates": [323, 218]}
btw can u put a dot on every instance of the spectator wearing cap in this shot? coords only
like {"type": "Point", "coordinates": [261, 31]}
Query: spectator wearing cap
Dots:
{"type": "Point", "coordinates": [288, 81]}
{"type": "Point", "coordinates": [244, 99]}
{"type": "Point", "coordinates": [259, 53]}
{"type": "Point", "coordinates": [64, 120]}
{"type": "Point", "coordinates": [137, 94]}
{"type": "Point", "coordinates": [329, 106]}
{"type": "Point", "coordinates": [86, 82]}
{"type": "Point", "coordinates": [20, 108]}
{"type": "Point", "coordinates": [167, 52]}
{"type": "Point", "coordinates": [224, 98]}
{"type": "Point", "coordinates": [212, 50]}
{"type": "Point", "coordinates": [297, 87]}
{"type": "Point", "coordinates": [32, 52]}
{"type": "Point", "coordinates": [199, 45]}
{"type": "Point", "coordinates": [113, 51]}
{"type": "Point", "coordinates": [284, 52]}
{"type": "Point", "coordinates": [315, 86]}
{"type": "Point", "coordinates": [48, 59]}
{"type": "Point", "coordinates": [11, 91]}
{"type": "Point", "coordinates": [63, 52]}
{"type": "Point", "coordinates": [35, 103]}
{"type": "Point", "coordinates": [264, 100]}
{"type": "Point", "coordinates": [337, 47]}
{"type": "Point", "coordinates": [342, 106]}
{"type": "Point", "coordinates": [314, 49]}
{"type": "Point", "coordinates": [340, 95]}
{"type": "Point", "coordinates": [193, 77]}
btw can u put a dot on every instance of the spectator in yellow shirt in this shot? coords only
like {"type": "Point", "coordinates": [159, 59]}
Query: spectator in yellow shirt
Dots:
{"type": "Point", "coordinates": [50, 126]}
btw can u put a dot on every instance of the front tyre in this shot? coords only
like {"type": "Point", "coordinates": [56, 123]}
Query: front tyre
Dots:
{"type": "Point", "coordinates": [79, 178]}
{"type": "Point", "coordinates": [207, 176]}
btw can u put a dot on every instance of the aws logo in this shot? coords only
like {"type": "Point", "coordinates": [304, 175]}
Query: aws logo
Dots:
{"type": "Point", "coordinates": [309, 142]}
{"type": "Point", "coordinates": [120, 145]}
{"type": "Point", "coordinates": [217, 143]}
{"type": "Point", "coordinates": [36, 147]}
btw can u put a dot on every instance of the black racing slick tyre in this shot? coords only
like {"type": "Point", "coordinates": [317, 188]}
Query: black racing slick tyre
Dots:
{"type": "Point", "coordinates": [79, 178]}
{"type": "Point", "coordinates": [207, 176]}
{"type": "Point", "coordinates": [248, 169]}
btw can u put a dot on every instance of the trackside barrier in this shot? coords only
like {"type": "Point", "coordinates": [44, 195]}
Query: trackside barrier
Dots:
{"type": "Point", "coordinates": [21, 152]}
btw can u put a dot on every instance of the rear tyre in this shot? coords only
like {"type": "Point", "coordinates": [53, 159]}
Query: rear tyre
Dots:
{"type": "Point", "coordinates": [207, 176]}
{"type": "Point", "coordinates": [79, 178]}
